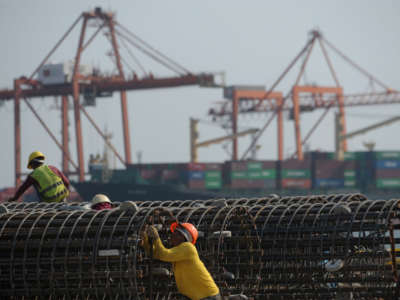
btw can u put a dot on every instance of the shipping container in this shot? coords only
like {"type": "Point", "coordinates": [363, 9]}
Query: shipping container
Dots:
{"type": "Point", "coordinates": [292, 183]}
{"type": "Point", "coordinates": [196, 175]}
{"type": "Point", "coordinates": [196, 167]}
{"type": "Point", "coordinates": [239, 175]}
{"type": "Point", "coordinates": [348, 155]}
{"type": "Point", "coordinates": [236, 166]}
{"type": "Point", "coordinates": [384, 155]}
{"type": "Point", "coordinates": [350, 183]}
{"type": "Point", "coordinates": [169, 174]}
{"type": "Point", "coordinates": [213, 184]}
{"type": "Point", "coordinates": [53, 74]}
{"type": "Point", "coordinates": [149, 174]}
{"type": "Point", "coordinates": [254, 174]}
{"type": "Point", "coordinates": [388, 183]}
{"type": "Point", "coordinates": [122, 176]}
{"type": "Point", "coordinates": [388, 164]}
{"type": "Point", "coordinates": [268, 174]}
{"type": "Point", "coordinates": [387, 173]}
{"type": "Point", "coordinates": [196, 184]}
{"type": "Point", "coordinates": [335, 169]}
{"type": "Point", "coordinates": [254, 165]}
{"type": "Point", "coordinates": [292, 164]}
{"type": "Point", "coordinates": [229, 90]}
{"type": "Point", "coordinates": [213, 175]}
{"type": "Point", "coordinates": [329, 183]}
{"type": "Point", "coordinates": [296, 173]}
{"type": "Point", "coordinates": [349, 174]}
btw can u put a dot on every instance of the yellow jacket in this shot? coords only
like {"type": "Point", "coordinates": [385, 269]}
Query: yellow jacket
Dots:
{"type": "Point", "coordinates": [191, 276]}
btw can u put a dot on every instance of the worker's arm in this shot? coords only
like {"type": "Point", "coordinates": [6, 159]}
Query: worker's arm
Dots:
{"type": "Point", "coordinates": [181, 252]}
{"type": "Point", "coordinates": [26, 185]}
{"type": "Point", "coordinates": [61, 175]}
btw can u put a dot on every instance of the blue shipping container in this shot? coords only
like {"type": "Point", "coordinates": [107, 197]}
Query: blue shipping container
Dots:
{"type": "Point", "coordinates": [197, 175]}
{"type": "Point", "coordinates": [388, 164]}
{"type": "Point", "coordinates": [330, 183]}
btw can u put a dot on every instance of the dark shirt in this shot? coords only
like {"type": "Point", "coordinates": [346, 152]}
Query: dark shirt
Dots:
{"type": "Point", "coordinates": [29, 181]}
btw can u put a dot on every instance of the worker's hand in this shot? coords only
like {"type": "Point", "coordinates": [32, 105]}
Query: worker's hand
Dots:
{"type": "Point", "coordinates": [142, 238]}
{"type": "Point", "coordinates": [152, 232]}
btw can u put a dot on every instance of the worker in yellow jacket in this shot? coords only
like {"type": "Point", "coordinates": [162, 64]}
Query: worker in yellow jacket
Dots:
{"type": "Point", "coordinates": [49, 182]}
{"type": "Point", "coordinates": [191, 276]}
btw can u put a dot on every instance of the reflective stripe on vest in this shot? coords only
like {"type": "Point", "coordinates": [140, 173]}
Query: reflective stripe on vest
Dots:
{"type": "Point", "coordinates": [51, 187]}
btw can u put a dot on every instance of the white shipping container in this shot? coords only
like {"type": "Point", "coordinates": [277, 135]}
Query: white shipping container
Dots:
{"type": "Point", "coordinates": [61, 73]}
{"type": "Point", "coordinates": [52, 74]}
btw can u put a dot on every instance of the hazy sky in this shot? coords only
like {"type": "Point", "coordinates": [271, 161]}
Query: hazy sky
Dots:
{"type": "Point", "coordinates": [251, 41]}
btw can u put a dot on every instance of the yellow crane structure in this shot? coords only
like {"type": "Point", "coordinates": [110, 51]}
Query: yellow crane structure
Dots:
{"type": "Point", "coordinates": [339, 149]}
{"type": "Point", "coordinates": [194, 135]}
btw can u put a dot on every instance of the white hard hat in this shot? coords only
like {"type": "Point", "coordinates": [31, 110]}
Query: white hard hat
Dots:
{"type": "Point", "coordinates": [100, 198]}
{"type": "Point", "coordinates": [334, 265]}
{"type": "Point", "coordinates": [129, 205]}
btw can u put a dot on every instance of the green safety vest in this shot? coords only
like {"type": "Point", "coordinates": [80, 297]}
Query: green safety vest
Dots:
{"type": "Point", "coordinates": [51, 187]}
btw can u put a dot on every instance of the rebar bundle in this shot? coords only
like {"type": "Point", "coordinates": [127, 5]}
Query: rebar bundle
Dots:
{"type": "Point", "coordinates": [316, 247]}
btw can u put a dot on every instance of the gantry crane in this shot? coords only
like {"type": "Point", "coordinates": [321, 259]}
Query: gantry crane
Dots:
{"type": "Point", "coordinates": [304, 98]}
{"type": "Point", "coordinates": [97, 85]}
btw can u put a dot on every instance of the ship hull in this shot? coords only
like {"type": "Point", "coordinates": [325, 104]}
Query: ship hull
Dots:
{"type": "Point", "coordinates": [138, 192]}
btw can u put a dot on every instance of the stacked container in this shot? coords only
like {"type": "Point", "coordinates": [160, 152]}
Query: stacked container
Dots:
{"type": "Point", "coordinates": [331, 174]}
{"type": "Point", "coordinates": [296, 174]}
{"type": "Point", "coordinates": [123, 176]}
{"type": "Point", "coordinates": [387, 170]}
{"type": "Point", "coordinates": [204, 176]}
{"type": "Point", "coordinates": [251, 174]}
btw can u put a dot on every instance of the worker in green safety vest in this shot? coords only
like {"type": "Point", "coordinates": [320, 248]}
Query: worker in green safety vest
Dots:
{"type": "Point", "coordinates": [50, 183]}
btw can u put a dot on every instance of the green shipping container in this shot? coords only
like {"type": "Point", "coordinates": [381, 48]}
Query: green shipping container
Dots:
{"type": "Point", "coordinates": [268, 174]}
{"type": "Point", "coordinates": [300, 173]}
{"type": "Point", "coordinates": [349, 174]}
{"type": "Point", "coordinates": [383, 155]}
{"type": "Point", "coordinates": [254, 174]}
{"type": "Point", "coordinates": [239, 175]}
{"type": "Point", "coordinates": [254, 165]}
{"type": "Point", "coordinates": [96, 175]}
{"type": "Point", "coordinates": [388, 183]}
{"type": "Point", "coordinates": [349, 183]}
{"type": "Point", "coordinates": [213, 184]}
{"type": "Point", "coordinates": [347, 156]}
{"type": "Point", "coordinates": [213, 175]}
{"type": "Point", "coordinates": [122, 176]}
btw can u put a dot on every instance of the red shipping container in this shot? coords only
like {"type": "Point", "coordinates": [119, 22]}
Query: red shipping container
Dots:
{"type": "Point", "coordinates": [196, 167]}
{"type": "Point", "coordinates": [248, 183]}
{"type": "Point", "coordinates": [325, 169]}
{"type": "Point", "coordinates": [296, 183]}
{"type": "Point", "coordinates": [196, 184]}
{"type": "Point", "coordinates": [170, 174]}
{"type": "Point", "coordinates": [269, 164]}
{"type": "Point", "coordinates": [295, 164]}
{"type": "Point", "coordinates": [256, 183]}
{"type": "Point", "coordinates": [148, 173]}
{"type": "Point", "coordinates": [239, 183]}
{"type": "Point", "coordinates": [387, 173]}
{"type": "Point", "coordinates": [237, 166]}
{"type": "Point", "coordinates": [213, 167]}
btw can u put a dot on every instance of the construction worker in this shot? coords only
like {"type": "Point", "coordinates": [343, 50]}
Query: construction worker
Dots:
{"type": "Point", "coordinates": [191, 276]}
{"type": "Point", "coordinates": [50, 183]}
{"type": "Point", "coordinates": [100, 202]}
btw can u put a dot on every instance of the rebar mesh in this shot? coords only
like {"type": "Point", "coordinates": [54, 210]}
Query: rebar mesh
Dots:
{"type": "Point", "coordinates": [308, 247]}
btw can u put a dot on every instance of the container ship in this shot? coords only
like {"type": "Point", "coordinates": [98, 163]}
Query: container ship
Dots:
{"type": "Point", "coordinates": [375, 174]}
